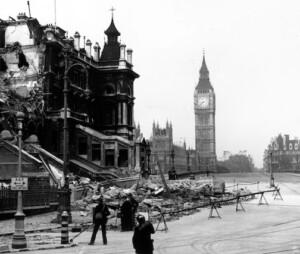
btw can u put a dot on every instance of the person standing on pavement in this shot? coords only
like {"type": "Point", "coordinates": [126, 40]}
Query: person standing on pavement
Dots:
{"type": "Point", "coordinates": [128, 210]}
{"type": "Point", "coordinates": [100, 215]}
{"type": "Point", "coordinates": [141, 240]}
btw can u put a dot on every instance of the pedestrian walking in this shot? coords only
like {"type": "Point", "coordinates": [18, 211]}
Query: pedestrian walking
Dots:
{"type": "Point", "coordinates": [141, 240]}
{"type": "Point", "coordinates": [128, 210]}
{"type": "Point", "coordinates": [100, 215]}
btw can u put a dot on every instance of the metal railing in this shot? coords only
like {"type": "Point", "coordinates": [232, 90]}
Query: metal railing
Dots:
{"type": "Point", "coordinates": [36, 197]}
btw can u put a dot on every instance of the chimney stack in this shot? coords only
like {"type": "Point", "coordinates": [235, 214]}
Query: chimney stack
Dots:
{"type": "Point", "coordinates": [122, 51]}
{"type": "Point", "coordinates": [96, 52]}
{"type": "Point", "coordinates": [129, 56]}
{"type": "Point", "coordinates": [88, 48]}
{"type": "Point", "coordinates": [77, 41]}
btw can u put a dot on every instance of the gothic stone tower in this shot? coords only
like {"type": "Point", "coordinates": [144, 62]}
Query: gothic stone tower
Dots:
{"type": "Point", "coordinates": [161, 145]}
{"type": "Point", "coordinates": [205, 108]}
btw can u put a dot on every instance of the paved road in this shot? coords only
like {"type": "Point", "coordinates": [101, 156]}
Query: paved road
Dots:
{"type": "Point", "coordinates": [272, 228]}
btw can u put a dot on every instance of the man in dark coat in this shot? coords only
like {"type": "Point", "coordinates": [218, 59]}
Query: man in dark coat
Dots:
{"type": "Point", "coordinates": [128, 210]}
{"type": "Point", "coordinates": [99, 219]}
{"type": "Point", "coordinates": [141, 240]}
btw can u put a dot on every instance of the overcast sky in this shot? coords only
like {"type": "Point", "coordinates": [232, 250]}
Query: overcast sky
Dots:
{"type": "Point", "coordinates": [252, 51]}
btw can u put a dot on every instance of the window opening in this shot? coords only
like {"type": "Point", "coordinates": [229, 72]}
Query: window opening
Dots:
{"type": "Point", "coordinates": [82, 146]}
{"type": "Point", "coordinates": [96, 152]}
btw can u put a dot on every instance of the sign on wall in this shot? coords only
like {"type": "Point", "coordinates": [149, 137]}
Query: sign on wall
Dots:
{"type": "Point", "coordinates": [19, 183]}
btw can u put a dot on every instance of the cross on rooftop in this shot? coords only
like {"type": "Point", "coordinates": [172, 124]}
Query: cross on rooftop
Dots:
{"type": "Point", "coordinates": [112, 11]}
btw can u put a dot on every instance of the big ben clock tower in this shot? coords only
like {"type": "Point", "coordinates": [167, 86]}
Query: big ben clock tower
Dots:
{"type": "Point", "coordinates": [205, 109]}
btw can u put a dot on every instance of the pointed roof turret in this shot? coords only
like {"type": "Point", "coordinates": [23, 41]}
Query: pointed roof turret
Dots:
{"type": "Point", "coordinates": [112, 30]}
{"type": "Point", "coordinates": [111, 49]}
{"type": "Point", "coordinates": [204, 82]}
{"type": "Point", "coordinates": [204, 71]}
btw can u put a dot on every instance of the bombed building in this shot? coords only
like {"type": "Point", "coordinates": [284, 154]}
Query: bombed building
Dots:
{"type": "Point", "coordinates": [67, 84]}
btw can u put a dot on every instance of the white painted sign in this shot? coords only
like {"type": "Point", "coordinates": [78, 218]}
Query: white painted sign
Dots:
{"type": "Point", "coordinates": [19, 183]}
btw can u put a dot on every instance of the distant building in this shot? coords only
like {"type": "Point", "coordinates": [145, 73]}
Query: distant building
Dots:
{"type": "Point", "coordinates": [225, 156]}
{"type": "Point", "coordinates": [161, 149]}
{"type": "Point", "coordinates": [243, 152]}
{"type": "Point", "coordinates": [282, 155]}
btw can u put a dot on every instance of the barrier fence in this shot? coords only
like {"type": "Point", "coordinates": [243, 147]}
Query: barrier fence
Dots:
{"type": "Point", "coordinates": [236, 185]}
{"type": "Point", "coordinates": [214, 204]}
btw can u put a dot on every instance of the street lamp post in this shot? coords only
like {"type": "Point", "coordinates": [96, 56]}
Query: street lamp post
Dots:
{"type": "Point", "coordinates": [207, 166]}
{"type": "Point", "coordinates": [297, 164]}
{"type": "Point", "coordinates": [65, 192]}
{"type": "Point", "coordinates": [19, 239]}
{"type": "Point", "coordinates": [271, 171]}
{"type": "Point", "coordinates": [172, 173]}
{"type": "Point", "coordinates": [188, 161]}
{"type": "Point", "coordinates": [148, 150]}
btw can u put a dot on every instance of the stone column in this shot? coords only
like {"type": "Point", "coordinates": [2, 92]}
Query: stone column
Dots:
{"type": "Point", "coordinates": [119, 113]}
{"type": "Point", "coordinates": [129, 158]}
{"type": "Point", "coordinates": [116, 154]}
{"type": "Point", "coordinates": [124, 113]}
{"type": "Point", "coordinates": [137, 157]}
{"type": "Point", "coordinates": [102, 162]}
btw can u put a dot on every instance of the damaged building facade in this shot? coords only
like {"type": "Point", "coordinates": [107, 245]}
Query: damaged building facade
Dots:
{"type": "Point", "coordinates": [98, 101]}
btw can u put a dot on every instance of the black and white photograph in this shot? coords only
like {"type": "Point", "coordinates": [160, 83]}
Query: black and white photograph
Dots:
{"type": "Point", "coordinates": [149, 127]}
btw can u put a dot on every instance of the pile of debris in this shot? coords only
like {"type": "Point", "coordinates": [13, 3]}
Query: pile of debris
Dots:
{"type": "Point", "coordinates": [183, 197]}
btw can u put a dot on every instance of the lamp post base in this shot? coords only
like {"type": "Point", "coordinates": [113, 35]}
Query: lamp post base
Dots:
{"type": "Point", "coordinates": [272, 181]}
{"type": "Point", "coordinates": [19, 239]}
{"type": "Point", "coordinates": [64, 204]}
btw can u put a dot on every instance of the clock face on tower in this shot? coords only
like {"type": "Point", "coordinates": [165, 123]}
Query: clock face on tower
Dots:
{"type": "Point", "coordinates": [203, 101]}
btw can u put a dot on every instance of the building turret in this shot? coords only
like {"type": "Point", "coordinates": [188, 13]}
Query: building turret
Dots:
{"type": "Point", "coordinates": [111, 50]}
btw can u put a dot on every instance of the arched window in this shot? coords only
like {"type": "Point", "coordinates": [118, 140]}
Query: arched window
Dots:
{"type": "Point", "coordinates": [291, 146]}
{"type": "Point", "coordinates": [108, 90]}
{"type": "Point", "coordinates": [77, 77]}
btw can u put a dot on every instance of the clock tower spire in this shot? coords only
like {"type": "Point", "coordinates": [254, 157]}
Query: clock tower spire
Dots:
{"type": "Point", "coordinates": [204, 73]}
{"type": "Point", "coordinates": [205, 108]}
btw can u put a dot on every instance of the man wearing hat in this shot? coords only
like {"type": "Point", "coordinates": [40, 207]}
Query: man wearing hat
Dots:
{"type": "Point", "coordinates": [141, 240]}
{"type": "Point", "coordinates": [128, 210]}
{"type": "Point", "coordinates": [99, 219]}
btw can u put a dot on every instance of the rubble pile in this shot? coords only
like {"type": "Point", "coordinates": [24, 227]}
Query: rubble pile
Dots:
{"type": "Point", "coordinates": [185, 197]}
